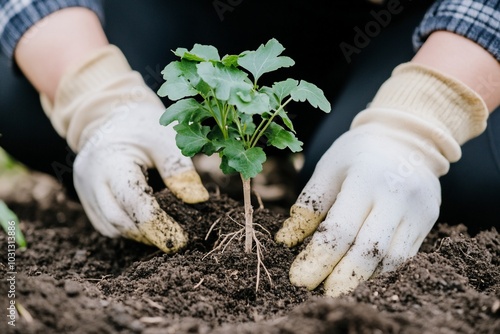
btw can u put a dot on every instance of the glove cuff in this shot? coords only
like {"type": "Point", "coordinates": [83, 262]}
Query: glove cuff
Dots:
{"type": "Point", "coordinates": [435, 97]}
{"type": "Point", "coordinates": [90, 91]}
{"type": "Point", "coordinates": [431, 105]}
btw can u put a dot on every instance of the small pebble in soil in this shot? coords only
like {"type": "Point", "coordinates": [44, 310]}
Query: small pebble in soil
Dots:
{"type": "Point", "coordinates": [72, 288]}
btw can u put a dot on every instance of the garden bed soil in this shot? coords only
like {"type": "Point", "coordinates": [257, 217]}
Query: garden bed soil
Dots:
{"type": "Point", "coordinates": [71, 279]}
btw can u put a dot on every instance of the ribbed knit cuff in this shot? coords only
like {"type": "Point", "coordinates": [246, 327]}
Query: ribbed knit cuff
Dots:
{"type": "Point", "coordinates": [86, 77]}
{"type": "Point", "coordinates": [436, 98]}
{"type": "Point", "coordinates": [93, 89]}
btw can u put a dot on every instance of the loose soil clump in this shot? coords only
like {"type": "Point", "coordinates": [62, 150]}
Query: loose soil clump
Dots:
{"type": "Point", "coordinates": [73, 280]}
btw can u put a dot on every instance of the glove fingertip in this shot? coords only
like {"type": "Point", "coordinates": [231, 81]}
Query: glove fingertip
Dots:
{"type": "Point", "coordinates": [164, 233]}
{"type": "Point", "coordinates": [311, 267]}
{"type": "Point", "coordinates": [287, 237]}
{"type": "Point", "coordinates": [337, 287]}
{"type": "Point", "coordinates": [301, 224]}
{"type": "Point", "coordinates": [300, 276]}
{"type": "Point", "coordinates": [188, 187]}
{"type": "Point", "coordinates": [135, 235]}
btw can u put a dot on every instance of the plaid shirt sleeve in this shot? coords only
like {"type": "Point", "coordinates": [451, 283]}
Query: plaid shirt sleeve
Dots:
{"type": "Point", "coordinates": [17, 16]}
{"type": "Point", "coordinates": [477, 20]}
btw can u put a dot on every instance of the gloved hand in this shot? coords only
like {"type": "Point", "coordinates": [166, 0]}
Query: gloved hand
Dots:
{"type": "Point", "coordinates": [111, 119]}
{"type": "Point", "coordinates": [375, 194]}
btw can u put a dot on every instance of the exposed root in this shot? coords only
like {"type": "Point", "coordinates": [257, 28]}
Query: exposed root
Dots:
{"type": "Point", "coordinates": [260, 262]}
{"type": "Point", "coordinates": [212, 228]}
{"type": "Point", "coordinates": [198, 284]}
{"type": "Point", "coordinates": [225, 240]}
{"type": "Point", "coordinates": [259, 200]}
{"type": "Point", "coordinates": [221, 245]}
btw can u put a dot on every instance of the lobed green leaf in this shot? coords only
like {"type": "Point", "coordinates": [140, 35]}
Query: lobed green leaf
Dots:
{"type": "Point", "coordinates": [265, 59]}
{"type": "Point", "coordinates": [280, 138]}
{"type": "Point", "coordinates": [184, 111]}
{"type": "Point", "coordinates": [191, 138]}
{"type": "Point", "coordinates": [224, 80]}
{"type": "Point", "coordinates": [176, 85]}
{"type": "Point", "coordinates": [286, 120]}
{"type": "Point", "coordinates": [224, 166]}
{"type": "Point", "coordinates": [199, 53]}
{"type": "Point", "coordinates": [251, 102]}
{"type": "Point", "coordinates": [274, 103]}
{"type": "Point", "coordinates": [230, 60]}
{"type": "Point", "coordinates": [248, 162]}
{"type": "Point", "coordinates": [310, 92]}
{"type": "Point", "coordinates": [283, 88]}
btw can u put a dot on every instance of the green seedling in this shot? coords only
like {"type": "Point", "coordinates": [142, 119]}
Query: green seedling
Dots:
{"type": "Point", "coordinates": [220, 107]}
{"type": "Point", "coordinates": [10, 223]}
{"type": "Point", "coordinates": [8, 219]}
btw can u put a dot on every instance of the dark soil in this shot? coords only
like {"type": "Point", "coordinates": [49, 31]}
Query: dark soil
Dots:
{"type": "Point", "coordinates": [73, 280]}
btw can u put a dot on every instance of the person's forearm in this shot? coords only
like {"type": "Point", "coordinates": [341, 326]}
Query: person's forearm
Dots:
{"type": "Point", "coordinates": [465, 60]}
{"type": "Point", "coordinates": [52, 45]}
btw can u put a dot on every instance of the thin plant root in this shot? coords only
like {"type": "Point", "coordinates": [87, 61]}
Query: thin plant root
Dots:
{"type": "Point", "coordinates": [226, 239]}
{"type": "Point", "coordinates": [259, 200]}
{"type": "Point", "coordinates": [260, 262]}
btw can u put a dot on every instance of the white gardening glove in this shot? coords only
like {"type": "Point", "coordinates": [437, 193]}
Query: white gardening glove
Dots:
{"type": "Point", "coordinates": [375, 194]}
{"type": "Point", "coordinates": [111, 119]}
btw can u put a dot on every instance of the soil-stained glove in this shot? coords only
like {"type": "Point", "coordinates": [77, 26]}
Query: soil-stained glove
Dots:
{"type": "Point", "coordinates": [375, 194]}
{"type": "Point", "coordinates": [111, 119]}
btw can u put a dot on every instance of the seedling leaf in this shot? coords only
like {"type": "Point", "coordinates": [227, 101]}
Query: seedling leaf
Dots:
{"type": "Point", "coordinates": [224, 80]}
{"type": "Point", "coordinates": [230, 60]}
{"type": "Point", "coordinates": [7, 216]}
{"type": "Point", "coordinates": [274, 103]}
{"type": "Point", "coordinates": [286, 120]}
{"type": "Point", "coordinates": [199, 52]}
{"type": "Point", "coordinates": [278, 137]}
{"type": "Point", "coordinates": [265, 59]}
{"type": "Point", "coordinates": [311, 93]}
{"type": "Point", "coordinates": [184, 110]}
{"type": "Point", "coordinates": [253, 103]}
{"type": "Point", "coordinates": [225, 168]}
{"type": "Point", "coordinates": [283, 88]}
{"type": "Point", "coordinates": [176, 85]}
{"type": "Point", "coordinates": [248, 162]}
{"type": "Point", "coordinates": [191, 138]}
